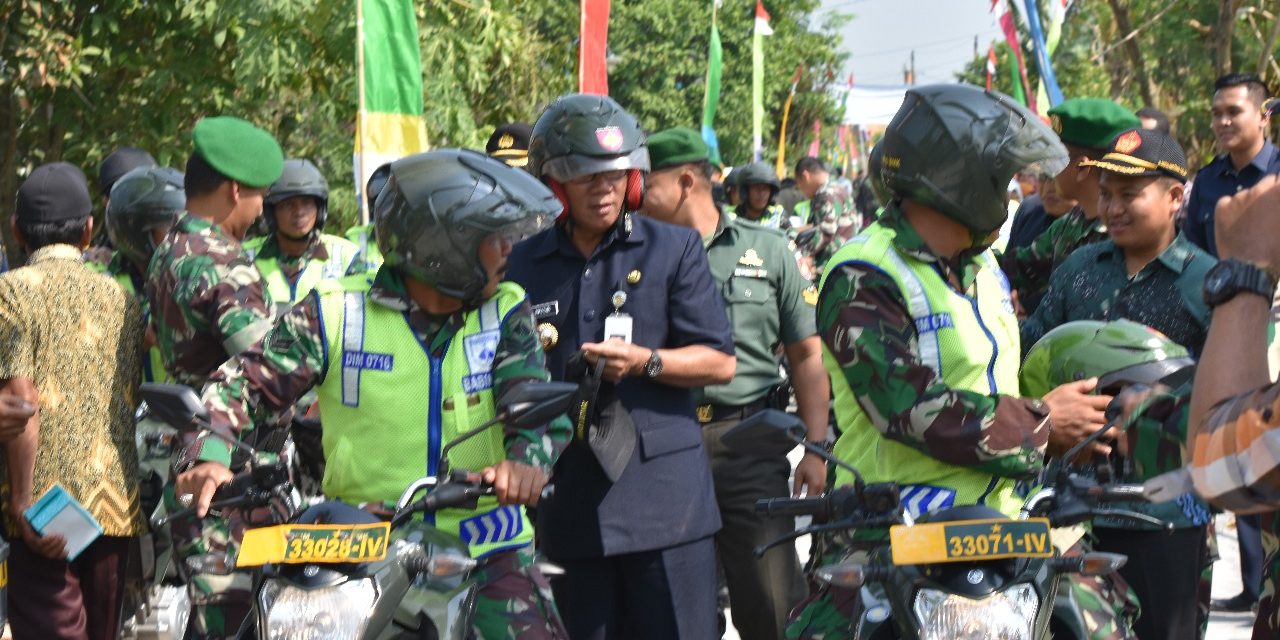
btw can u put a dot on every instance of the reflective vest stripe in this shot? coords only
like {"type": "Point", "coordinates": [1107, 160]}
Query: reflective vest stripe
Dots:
{"type": "Point", "coordinates": [352, 343]}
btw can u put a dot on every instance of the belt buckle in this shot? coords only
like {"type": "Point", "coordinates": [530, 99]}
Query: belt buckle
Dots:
{"type": "Point", "coordinates": [704, 413]}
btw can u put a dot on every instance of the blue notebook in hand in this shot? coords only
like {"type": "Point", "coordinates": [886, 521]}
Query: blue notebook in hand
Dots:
{"type": "Point", "coordinates": [56, 512]}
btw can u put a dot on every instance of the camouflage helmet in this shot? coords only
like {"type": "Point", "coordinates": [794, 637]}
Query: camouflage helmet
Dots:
{"type": "Point", "coordinates": [300, 178]}
{"type": "Point", "coordinates": [142, 200]}
{"type": "Point", "coordinates": [1119, 353]}
{"type": "Point", "coordinates": [439, 206]}
{"type": "Point", "coordinates": [580, 134]}
{"type": "Point", "coordinates": [954, 148]}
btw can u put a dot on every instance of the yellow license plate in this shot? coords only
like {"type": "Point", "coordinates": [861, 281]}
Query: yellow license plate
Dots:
{"type": "Point", "coordinates": [313, 543]}
{"type": "Point", "coordinates": [968, 540]}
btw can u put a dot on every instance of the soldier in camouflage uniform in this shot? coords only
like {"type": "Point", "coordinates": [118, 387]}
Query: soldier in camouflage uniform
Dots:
{"type": "Point", "coordinates": [759, 179]}
{"type": "Point", "coordinates": [208, 303]}
{"type": "Point", "coordinates": [918, 330]}
{"type": "Point", "coordinates": [297, 253]}
{"type": "Point", "coordinates": [1086, 126]}
{"type": "Point", "coordinates": [445, 226]}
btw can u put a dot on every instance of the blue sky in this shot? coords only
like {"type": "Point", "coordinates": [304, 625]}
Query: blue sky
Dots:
{"type": "Point", "coordinates": [883, 32]}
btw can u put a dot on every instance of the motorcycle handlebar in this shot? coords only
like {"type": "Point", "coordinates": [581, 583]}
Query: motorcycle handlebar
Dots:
{"type": "Point", "coordinates": [774, 507]}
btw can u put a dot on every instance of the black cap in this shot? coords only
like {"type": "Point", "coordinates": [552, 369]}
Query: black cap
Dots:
{"type": "Point", "coordinates": [510, 143]}
{"type": "Point", "coordinates": [1144, 152]}
{"type": "Point", "coordinates": [54, 191]}
{"type": "Point", "coordinates": [120, 162]}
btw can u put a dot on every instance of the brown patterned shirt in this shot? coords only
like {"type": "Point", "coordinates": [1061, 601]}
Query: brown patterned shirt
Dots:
{"type": "Point", "coordinates": [78, 337]}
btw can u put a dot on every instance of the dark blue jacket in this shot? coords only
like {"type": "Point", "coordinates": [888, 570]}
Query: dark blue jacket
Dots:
{"type": "Point", "coordinates": [665, 496]}
{"type": "Point", "coordinates": [1218, 179]}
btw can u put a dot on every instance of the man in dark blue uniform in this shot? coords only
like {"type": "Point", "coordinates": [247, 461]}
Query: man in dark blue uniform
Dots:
{"type": "Point", "coordinates": [635, 297]}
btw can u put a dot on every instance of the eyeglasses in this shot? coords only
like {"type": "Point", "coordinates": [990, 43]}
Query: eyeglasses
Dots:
{"type": "Point", "coordinates": [612, 177]}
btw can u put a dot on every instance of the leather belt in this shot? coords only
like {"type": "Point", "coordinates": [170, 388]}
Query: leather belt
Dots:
{"type": "Point", "coordinates": [716, 412]}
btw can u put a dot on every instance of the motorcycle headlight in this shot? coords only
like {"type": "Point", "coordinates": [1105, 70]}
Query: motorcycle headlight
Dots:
{"type": "Point", "coordinates": [340, 612]}
{"type": "Point", "coordinates": [1007, 615]}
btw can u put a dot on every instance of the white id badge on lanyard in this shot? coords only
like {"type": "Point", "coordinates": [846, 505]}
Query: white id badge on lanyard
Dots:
{"type": "Point", "coordinates": [618, 325]}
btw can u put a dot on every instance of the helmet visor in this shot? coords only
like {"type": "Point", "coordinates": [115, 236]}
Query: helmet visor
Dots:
{"type": "Point", "coordinates": [566, 168]}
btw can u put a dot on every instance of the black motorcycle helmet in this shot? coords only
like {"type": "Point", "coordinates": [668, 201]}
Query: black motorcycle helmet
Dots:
{"type": "Point", "coordinates": [300, 178]}
{"type": "Point", "coordinates": [955, 147]}
{"type": "Point", "coordinates": [143, 200]}
{"type": "Point", "coordinates": [377, 180]}
{"type": "Point", "coordinates": [580, 134]}
{"type": "Point", "coordinates": [438, 206]}
{"type": "Point", "coordinates": [757, 173]}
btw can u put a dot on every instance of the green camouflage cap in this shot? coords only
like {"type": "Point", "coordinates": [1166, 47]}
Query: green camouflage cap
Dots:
{"type": "Point", "coordinates": [239, 150]}
{"type": "Point", "coordinates": [680, 145]}
{"type": "Point", "coordinates": [1091, 122]}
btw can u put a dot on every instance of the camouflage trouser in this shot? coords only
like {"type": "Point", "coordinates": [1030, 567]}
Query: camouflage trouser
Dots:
{"type": "Point", "coordinates": [221, 602]}
{"type": "Point", "coordinates": [1267, 626]}
{"type": "Point", "coordinates": [1108, 604]}
{"type": "Point", "coordinates": [513, 599]}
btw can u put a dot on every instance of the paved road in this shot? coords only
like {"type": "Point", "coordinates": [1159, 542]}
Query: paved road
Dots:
{"type": "Point", "coordinates": [1226, 581]}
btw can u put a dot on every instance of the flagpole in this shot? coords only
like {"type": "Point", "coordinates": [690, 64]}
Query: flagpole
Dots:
{"type": "Point", "coordinates": [360, 111]}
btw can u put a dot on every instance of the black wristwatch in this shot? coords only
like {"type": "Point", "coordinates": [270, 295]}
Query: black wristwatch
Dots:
{"type": "Point", "coordinates": [653, 368]}
{"type": "Point", "coordinates": [1230, 277]}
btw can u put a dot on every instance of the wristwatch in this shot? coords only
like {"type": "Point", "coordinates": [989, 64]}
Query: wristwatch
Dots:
{"type": "Point", "coordinates": [653, 368]}
{"type": "Point", "coordinates": [1230, 277]}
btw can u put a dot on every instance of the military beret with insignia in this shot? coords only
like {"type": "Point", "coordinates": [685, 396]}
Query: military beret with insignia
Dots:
{"type": "Point", "coordinates": [239, 150]}
{"type": "Point", "coordinates": [1091, 122]}
{"type": "Point", "coordinates": [1143, 152]}
{"type": "Point", "coordinates": [680, 145]}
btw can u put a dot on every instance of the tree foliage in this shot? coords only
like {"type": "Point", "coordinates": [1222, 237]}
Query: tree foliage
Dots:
{"type": "Point", "coordinates": [80, 78]}
{"type": "Point", "coordinates": [1164, 52]}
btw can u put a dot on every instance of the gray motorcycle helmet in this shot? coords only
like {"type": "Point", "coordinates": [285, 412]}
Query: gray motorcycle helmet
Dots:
{"type": "Point", "coordinates": [438, 206]}
{"type": "Point", "coordinates": [142, 200]}
{"type": "Point", "coordinates": [580, 134]}
{"type": "Point", "coordinates": [759, 172]}
{"type": "Point", "coordinates": [955, 147]}
{"type": "Point", "coordinates": [299, 178]}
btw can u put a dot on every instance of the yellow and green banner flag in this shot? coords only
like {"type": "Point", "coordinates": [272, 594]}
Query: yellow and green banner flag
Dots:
{"type": "Point", "coordinates": [389, 125]}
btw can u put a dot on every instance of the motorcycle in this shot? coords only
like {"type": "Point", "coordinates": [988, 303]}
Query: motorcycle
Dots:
{"type": "Point", "coordinates": [336, 571]}
{"type": "Point", "coordinates": [959, 572]}
{"type": "Point", "coordinates": [160, 605]}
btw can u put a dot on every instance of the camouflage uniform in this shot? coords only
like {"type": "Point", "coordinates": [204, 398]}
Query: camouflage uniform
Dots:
{"type": "Point", "coordinates": [1029, 268]}
{"type": "Point", "coordinates": [868, 331]}
{"type": "Point", "coordinates": [207, 299]}
{"type": "Point", "coordinates": [208, 302]}
{"type": "Point", "coordinates": [260, 384]}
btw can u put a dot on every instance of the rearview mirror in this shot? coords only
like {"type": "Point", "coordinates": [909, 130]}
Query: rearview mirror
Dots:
{"type": "Point", "coordinates": [765, 433]}
{"type": "Point", "coordinates": [529, 404]}
{"type": "Point", "coordinates": [175, 405]}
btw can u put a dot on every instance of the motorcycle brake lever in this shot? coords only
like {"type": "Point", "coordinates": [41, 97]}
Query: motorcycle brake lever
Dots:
{"type": "Point", "coordinates": [1124, 514]}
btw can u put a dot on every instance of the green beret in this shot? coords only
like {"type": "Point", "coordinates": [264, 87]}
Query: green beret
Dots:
{"type": "Point", "coordinates": [672, 147]}
{"type": "Point", "coordinates": [1091, 122]}
{"type": "Point", "coordinates": [239, 150]}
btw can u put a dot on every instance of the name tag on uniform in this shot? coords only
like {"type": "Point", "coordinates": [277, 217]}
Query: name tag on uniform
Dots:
{"type": "Point", "coordinates": [366, 360]}
{"type": "Point", "coordinates": [546, 309]}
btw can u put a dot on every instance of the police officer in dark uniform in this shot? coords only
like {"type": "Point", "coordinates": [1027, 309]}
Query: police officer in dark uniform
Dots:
{"type": "Point", "coordinates": [635, 297]}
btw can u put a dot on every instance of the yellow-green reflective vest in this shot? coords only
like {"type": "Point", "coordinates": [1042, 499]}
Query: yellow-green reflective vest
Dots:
{"type": "Point", "coordinates": [362, 235]}
{"type": "Point", "coordinates": [388, 407]}
{"type": "Point", "coordinates": [971, 343]}
{"type": "Point", "coordinates": [152, 365]}
{"type": "Point", "coordinates": [286, 294]}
